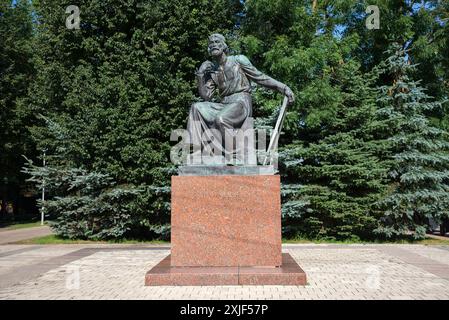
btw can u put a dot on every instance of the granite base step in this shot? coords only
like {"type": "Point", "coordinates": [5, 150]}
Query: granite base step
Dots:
{"type": "Point", "coordinates": [288, 274]}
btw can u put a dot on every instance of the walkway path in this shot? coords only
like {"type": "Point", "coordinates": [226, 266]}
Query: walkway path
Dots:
{"type": "Point", "coordinates": [9, 236]}
{"type": "Point", "coordinates": [117, 272]}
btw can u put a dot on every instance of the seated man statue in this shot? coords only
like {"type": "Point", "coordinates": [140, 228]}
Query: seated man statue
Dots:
{"type": "Point", "coordinates": [230, 76]}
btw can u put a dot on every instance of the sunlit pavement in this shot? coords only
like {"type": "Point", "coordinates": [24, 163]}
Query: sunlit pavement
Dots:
{"type": "Point", "coordinates": [118, 271]}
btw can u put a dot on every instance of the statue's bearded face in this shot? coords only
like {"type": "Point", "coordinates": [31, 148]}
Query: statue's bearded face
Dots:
{"type": "Point", "coordinates": [216, 46]}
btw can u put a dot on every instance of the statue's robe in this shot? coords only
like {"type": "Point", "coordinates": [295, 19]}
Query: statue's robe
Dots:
{"type": "Point", "coordinates": [234, 109]}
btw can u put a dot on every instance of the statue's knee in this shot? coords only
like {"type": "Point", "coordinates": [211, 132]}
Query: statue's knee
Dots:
{"type": "Point", "coordinates": [197, 106]}
{"type": "Point", "coordinates": [219, 122]}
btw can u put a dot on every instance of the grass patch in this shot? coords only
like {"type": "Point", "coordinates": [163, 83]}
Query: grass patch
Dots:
{"type": "Point", "coordinates": [426, 241]}
{"type": "Point", "coordinates": [433, 241]}
{"type": "Point", "coordinates": [54, 239]}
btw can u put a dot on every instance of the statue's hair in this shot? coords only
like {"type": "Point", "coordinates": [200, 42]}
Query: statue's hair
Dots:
{"type": "Point", "coordinates": [217, 35]}
{"type": "Point", "coordinates": [222, 38]}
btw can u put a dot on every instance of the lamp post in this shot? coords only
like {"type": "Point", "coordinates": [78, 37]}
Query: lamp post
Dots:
{"type": "Point", "coordinates": [43, 194]}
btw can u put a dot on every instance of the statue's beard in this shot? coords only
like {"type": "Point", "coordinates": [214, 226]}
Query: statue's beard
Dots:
{"type": "Point", "coordinates": [216, 52]}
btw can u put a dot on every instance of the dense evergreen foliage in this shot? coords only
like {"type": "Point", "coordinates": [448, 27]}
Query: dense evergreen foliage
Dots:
{"type": "Point", "coordinates": [16, 73]}
{"type": "Point", "coordinates": [117, 87]}
{"type": "Point", "coordinates": [420, 170]}
{"type": "Point", "coordinates": [364, 148]}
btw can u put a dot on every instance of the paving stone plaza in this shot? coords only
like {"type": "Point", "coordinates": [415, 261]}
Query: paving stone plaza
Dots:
{"type": "Point", "coordinates": [334, 271]}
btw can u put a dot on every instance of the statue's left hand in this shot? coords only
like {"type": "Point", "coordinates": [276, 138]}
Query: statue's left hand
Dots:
{"type": "Point", "coordinates": [289, 93]}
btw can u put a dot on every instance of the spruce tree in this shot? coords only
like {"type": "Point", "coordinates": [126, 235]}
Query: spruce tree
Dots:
{"type": "Point", "coordinates": [82, 204]}
{"type": "Point", "coordinates": [340, 176]}
{"type": "Point", "coordinates": [85, 205]}
{"type": "Point", "coordinates": [419, 152]}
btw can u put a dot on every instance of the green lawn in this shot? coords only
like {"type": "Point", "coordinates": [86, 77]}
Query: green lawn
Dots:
{"type": "Point", "coordinates": [427, 241]}
{"type": "Point", "coordinates": [53, 239]}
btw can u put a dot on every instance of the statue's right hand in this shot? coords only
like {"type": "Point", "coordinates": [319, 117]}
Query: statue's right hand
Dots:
{"type": "Point", "coordinates": [206, 66]}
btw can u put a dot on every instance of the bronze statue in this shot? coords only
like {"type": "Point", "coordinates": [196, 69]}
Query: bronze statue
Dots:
{"type": "Point", "coordinates": [230, 77]}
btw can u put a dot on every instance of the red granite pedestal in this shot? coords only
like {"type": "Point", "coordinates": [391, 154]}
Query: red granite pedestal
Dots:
{"type": "Point", "coordinates": [226, 230]}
